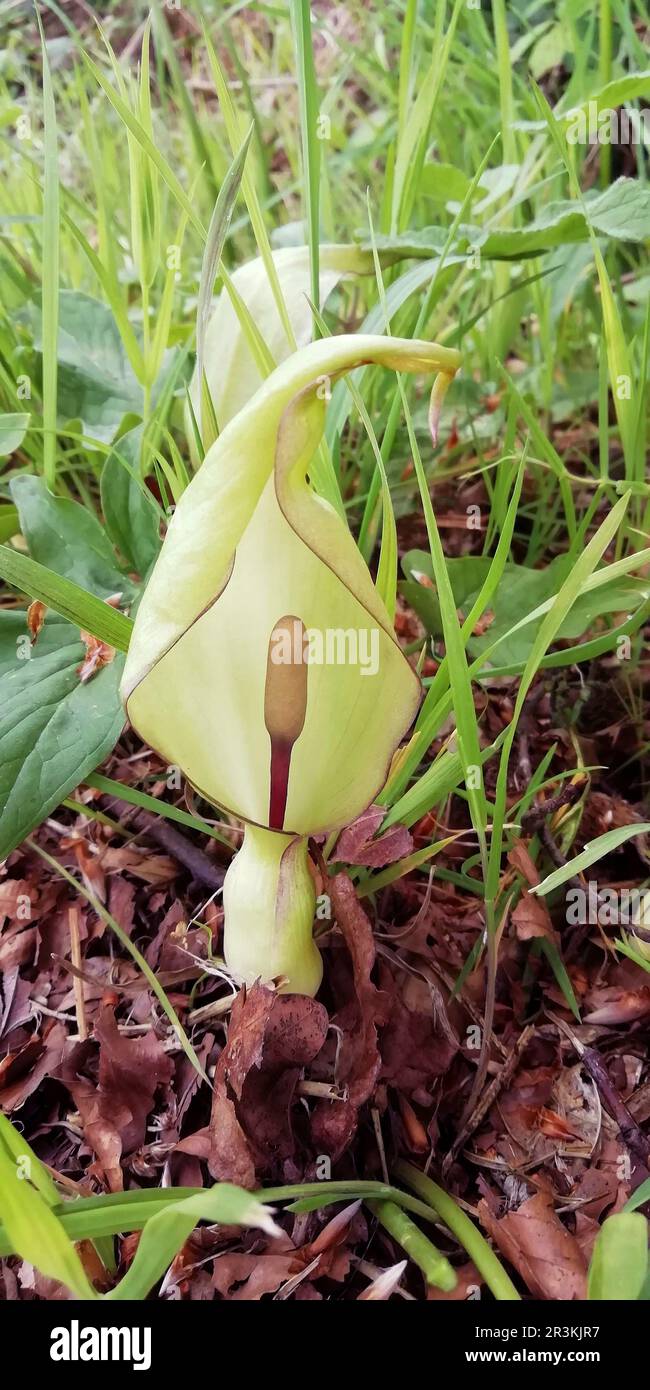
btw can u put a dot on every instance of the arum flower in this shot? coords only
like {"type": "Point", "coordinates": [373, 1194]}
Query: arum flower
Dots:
{"type": "Point", "coordinates": [231, 372]}
{"type": "Point", "coordinates": [263, 661]}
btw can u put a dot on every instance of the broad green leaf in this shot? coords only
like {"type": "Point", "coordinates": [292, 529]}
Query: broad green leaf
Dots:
{"type": "Point", "coordinates": [619, 1263]}
{"type": "Point", "coordinates": [97, 384]}
{"type": "Point", "coordinates": [9, 523]}
{"type": "Point", "coordinates": [550, 49]}
{"type": "Point", "coordinates": [54, 730]}
{"type": "Point", "coordinates": [591, 854]}
{"type": "Point", "coordinates": [67, 538]}
{"type": "Point", "coordinates": [613, 94]}
{"type": "Point", "coordinates": [82, 609]}
{"type": "Point", "coordinates": [520, 591]}
{"type": "Point", "coordinates": [621, 212]}
{"type": "Point", "coordinates": [130, 512]}
{"type": "Point", "coordinates": [15, 639]}
{"type": "Point", "coordinates": [445, 183]}
{"type": "Point", "coordinates": [12, 432]}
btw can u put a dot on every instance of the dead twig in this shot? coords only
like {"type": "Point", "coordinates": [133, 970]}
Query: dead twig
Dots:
{"type": "Point", "coordinates": [77, 982]}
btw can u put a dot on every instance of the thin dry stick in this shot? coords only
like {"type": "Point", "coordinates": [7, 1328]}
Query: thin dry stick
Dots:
{"type": "Point", "coordinates": [77, 981]}
{"type": "Point", "coordinates": [503, 1076]}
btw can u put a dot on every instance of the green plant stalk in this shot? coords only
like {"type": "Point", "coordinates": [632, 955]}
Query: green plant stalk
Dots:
{"type": "Point", "coordinates": [605, 76]}
{"type": "Point", "coordinates": [301, 18]}
{"type": "Point", "coordinates": [499, 1283]}
{"type": "Point", "coordinates": [269, 902]}
{"type": "Point", "coordinates": [434, 1265]}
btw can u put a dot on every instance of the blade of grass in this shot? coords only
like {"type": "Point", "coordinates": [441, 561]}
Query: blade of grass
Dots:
{"type": "Point", "coordinates": [50, 302]}
{"type": "Point", "coordinates": [583, 568]}
{"type": "Point", "coordinates": [135, 797]}
{"type": "Point", "coordinates": [83, 609]}
{"type": "Point", "coordinates": [217, 233]}
{"type": "Point", "coordinates": [311, 145]}
{"type": "Point", "coordinates": [146, 143]}
{"type": "Point", "coordinates": [594, 851]}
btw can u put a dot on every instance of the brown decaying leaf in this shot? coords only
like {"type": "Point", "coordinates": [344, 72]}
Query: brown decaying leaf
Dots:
{"type": "Point", "coordinates": [243, 1277]}
{"type": "Point", "coordinates": [536, 1243]}
{"type": "Point", "coordinates": [21, 1072]}
{"type": "Point", "coordinates": [114, 1112]}
{"type": "Point", "coordinates": [613, 1005]}
{"type": "Point", "coordinates": [359, 1060]}
{"type": "Point", "coordinates": [417, 1044]}
{"type": "Point", "coordinates": [356, 845]}
{"type": "Point", "coordinates": [271, 1038]}
{"type": "Point", "coordinates": [531, 918]}
{"type": "Point", "coordinates": [98, 654]}
{"type": "Point", "coordinates": [35, 618]}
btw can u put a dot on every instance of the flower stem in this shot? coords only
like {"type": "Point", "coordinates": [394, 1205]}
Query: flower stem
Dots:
{"type": "Point", "coordinates": [269, 901]}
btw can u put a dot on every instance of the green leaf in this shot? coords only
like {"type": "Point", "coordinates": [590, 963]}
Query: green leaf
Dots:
{"type": "Point", "coordinates": [129, 510]}
{"type": "Point", "coordinates": [550, 49]}
{"type": "Point", "coordinates": [82, 609]}
{"type": "Point", "coordinates": [445, 183]}
{"type": "Point", "coordinates": [21, 1153]}
{"type": "Point", "coordinates": [166, 1233]}
{"type": "Point", "coordinates": [9, 523]}
{"type": "Point", "coordinates": [621, 211]}
{"type": "Point", "coordinates": [97, 384]}
{"type": "Point", "coordinates": [146, 143]}
{"type": "Point", "coordinates": [595, 850]}
{"type": "Point", "coordinates": [67, 538]}
{"type": "Point", "coordinates": [217, 232]}
{"type": "Point", "coordinates": [619, 1264]}
{"type": "Point", "coordinates": [520, 591]}
{"type": "Point", "coordinates": [12, 432]}
{"type": "Point", "coordinates": [53, 732]}
{"type": "Point", "coordinates": [50, 266]}
{"type": "Point", "coordinates": [14, 636]}
{"type": "Point", "coordinates": [639, 1197]}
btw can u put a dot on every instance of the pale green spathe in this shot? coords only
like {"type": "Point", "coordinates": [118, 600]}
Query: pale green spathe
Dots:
{"type": "Point", "coordinates": [231, 372]}
{"type": "Point", "coordinates": [294, 748]}
{"type": "Point", "coordinates": [249, 543]}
